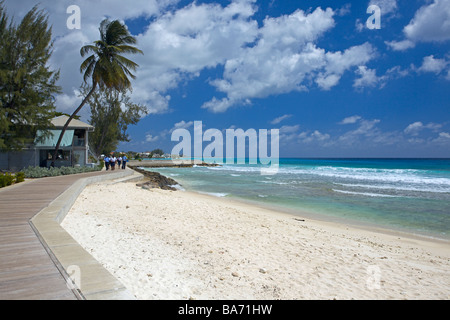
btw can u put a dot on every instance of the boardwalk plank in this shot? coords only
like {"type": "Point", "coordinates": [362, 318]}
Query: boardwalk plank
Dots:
{"type": "Point", "coordinates": [27, 272]}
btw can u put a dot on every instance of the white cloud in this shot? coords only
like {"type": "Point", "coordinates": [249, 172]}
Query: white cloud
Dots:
{"type": "Point", "coordinates": [290, 134]}
{"type": "Point", "coordinates": [151, 138]}
{"type": "Point", "coordinates": [431, 64]}
{"type": "Point", "coordinates": [401, 45]}
{"type": "Point", "coordinates": [68, 102]}
{"type": "Point", "coordinates": [366, 130]}
{"type": "Point", "coordinates": [368, 77]}
{"type": "Point", "coordinates": [443, 139]}
{"type": "Point", "coordinates": [365, 133]}
{"type": "Point", "coordinates": [280, 118]}
{"type": "Point", "coordinates": [199, 36]}
{"type": "Point", "coordinates": [279, 61]}
{"type": "Point", "coordinates": [431, 23]}
{"type": "Point", "coordinates": [164, 133]}
{"type": "Point", "coordinates": [289, 129]}
{"type": "Point", "coordinates": [350, 120]}
{"type": "Point", "coordinates": [285, 59]}
{"type": "Point", "coordinates": [217, 106]}
{"type": "Point", "coordinates": [182, 125]}
{"type": "Point", "coordinates": [315, 136]}
{"type": "Point", "coordinates": [326, 82]}
{"type": "Point", "coordinates": [416, 127]}
{"type": "Point", "coordinates": [339, 62]}
{"type": "Point", "coordinates": [344, 10]}
{"type": "Point", "coordinates": [386, 6]}
{"type": "Point", "coordinates": [444, 135]}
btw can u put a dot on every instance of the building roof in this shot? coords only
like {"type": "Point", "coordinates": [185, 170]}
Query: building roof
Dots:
{"type": "Point", "coordinates": [60, 121]}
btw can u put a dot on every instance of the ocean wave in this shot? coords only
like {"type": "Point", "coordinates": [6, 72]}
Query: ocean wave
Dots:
{"type": "Point", "coordinates": [216, 194]}
{"type": "Point", "coordinates": [400, 176]}
{"type": "Point", "coordinates": [178, 187]}
{"type": "Point", "coordinates": [367, 194]}
{"type": "Point", "coordinates": [396, 187]}
{"type": "Point", "coordinates": [273, 182]}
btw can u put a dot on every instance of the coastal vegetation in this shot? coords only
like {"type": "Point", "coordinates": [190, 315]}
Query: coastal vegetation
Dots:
{"type": "Point", "coordinates": [112, 112]}
{"type": "Point", "coordinates": [7, 179]}
{"type": "Point", "coordinates": [27, 84]}
{"type": "Point", "coordinates": [39, 172]}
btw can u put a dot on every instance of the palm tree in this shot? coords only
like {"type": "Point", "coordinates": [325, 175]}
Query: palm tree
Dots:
{"type": "Point", "coordinates": [106, 67]}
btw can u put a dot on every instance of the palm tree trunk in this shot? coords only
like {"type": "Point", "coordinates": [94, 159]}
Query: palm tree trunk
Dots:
{"type": "Point", "coordinates": [55, 154]}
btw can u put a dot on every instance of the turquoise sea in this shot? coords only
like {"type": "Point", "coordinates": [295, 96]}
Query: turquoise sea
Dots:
{"type": "Point", "coordinates": [411, 195]}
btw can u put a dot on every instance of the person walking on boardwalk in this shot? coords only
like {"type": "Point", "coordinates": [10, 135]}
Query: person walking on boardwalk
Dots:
{"type": "Point", "coordinates": [119, 162]}
{"type": "Point", "coordinates": [124, 162]}
{"type": "Point", "coordinates": [112, 162]}
{"type": "Point", "coordinates": [106, 159]}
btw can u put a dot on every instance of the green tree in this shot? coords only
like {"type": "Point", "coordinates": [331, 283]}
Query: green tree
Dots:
{"type": "Point", "coordinates": [157, 151]}
{"type": "Point", "coordinates": [111, 113]}
{"type": "Point", "coordinates": [106, 67]}
{"type": "Point", "coordinates": [27, 85]}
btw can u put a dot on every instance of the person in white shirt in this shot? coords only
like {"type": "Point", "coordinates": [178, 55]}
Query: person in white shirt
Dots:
{"type": "Point", "coordinates": [112, 162]}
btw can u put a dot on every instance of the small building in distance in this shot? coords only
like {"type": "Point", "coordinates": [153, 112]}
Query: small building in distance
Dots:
{"type": "Point", "coordinates": [73, 150]}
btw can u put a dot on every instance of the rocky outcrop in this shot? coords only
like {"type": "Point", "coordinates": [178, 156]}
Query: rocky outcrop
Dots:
{"type": "Point", "coordinates": [155, 180]}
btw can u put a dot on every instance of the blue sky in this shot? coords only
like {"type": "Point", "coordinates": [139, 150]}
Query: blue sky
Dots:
{"type": "Point", "coordinates": [312, 69]}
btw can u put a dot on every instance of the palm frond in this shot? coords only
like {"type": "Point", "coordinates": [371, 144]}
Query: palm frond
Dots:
{"type": "Point", "coordinates": [88, 49]}
{"type": "Point", "coordinates": [126, 63]}
{"type": "Point", "coordinates": [88, 67]}
{"type": "Point", "coordinates": [107, 66]}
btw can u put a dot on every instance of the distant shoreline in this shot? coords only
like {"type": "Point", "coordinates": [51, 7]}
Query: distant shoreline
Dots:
{"type": "Point", "coordinates": [168, 163]}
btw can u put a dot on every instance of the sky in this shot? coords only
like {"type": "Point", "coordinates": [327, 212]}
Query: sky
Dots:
{"type": "Point", "coordinates": [337, 78]}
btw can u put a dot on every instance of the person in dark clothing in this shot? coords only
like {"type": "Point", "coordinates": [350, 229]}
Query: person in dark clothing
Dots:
{"type": "Point", "coordinates": [106, 159]}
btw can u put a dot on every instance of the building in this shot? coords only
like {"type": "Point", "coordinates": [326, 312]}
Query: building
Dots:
{"type": "Point", "coordinates": [73, 150]}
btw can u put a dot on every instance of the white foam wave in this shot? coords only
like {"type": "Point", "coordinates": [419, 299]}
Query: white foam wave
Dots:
{"type": "Point", "coordinates": [436, 189]}
{"type": "Point", "coordinates": [367, 194]}
{"type": "Point", "coordinates": [399, 176]}
{"type": "Point", "coordinates": [178, 187]}
{"type": "Point", "coordinates": [273, 182]}
{"type": "Point", "coordinates": [216, 194]}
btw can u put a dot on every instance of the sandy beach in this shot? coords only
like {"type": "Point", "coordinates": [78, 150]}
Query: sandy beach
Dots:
{"type": "Point", "coordinates": [182, 245]}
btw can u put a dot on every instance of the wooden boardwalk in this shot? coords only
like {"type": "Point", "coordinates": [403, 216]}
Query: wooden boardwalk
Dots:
{"type": "Point", "coordinates": [27, 271]}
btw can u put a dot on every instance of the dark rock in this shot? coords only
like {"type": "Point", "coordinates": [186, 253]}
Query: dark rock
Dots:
{"type": "Point", "coordinates": [155, 180]}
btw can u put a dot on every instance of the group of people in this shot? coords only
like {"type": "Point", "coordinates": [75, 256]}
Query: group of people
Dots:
{"type": "Point", "coordinates": [110, 162]}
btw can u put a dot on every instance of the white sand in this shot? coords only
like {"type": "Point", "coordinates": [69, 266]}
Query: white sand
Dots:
{"type": "Point", "coordinates": [183, 245]}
